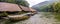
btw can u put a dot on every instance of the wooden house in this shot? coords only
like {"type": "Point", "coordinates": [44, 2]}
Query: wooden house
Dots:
{"type": "Point", "coordinates": [9, 8]}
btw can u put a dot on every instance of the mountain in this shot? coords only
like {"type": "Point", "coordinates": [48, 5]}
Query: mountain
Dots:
{"type": "Point", "coordinates": [40, 6]}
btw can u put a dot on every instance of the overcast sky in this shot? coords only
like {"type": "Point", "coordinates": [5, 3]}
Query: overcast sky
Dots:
{"type": "Point", "coordinates": [34, 2]}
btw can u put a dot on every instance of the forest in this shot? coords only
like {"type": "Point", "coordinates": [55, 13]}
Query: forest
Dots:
{"type": "Point", "coordinates": [19, 2]}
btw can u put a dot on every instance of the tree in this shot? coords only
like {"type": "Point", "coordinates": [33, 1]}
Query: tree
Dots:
{"type": "Point", "coordinates": [22, 2]}
{"type": "Point", "coordinates": [19, 2]}
{"type": "Point", "coordinates": [56, 7]}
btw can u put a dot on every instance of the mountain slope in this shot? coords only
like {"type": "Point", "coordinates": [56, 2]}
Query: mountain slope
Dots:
{"type": "Point", "coordinates": [40, 6]}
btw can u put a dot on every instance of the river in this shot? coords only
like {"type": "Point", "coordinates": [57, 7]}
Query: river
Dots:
{"type": "Point", "coordinates": [39, 18]}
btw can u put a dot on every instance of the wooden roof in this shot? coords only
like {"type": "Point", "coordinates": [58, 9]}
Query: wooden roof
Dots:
{"type": "Point", "coordinates": [13, 7]}
{"type": "Point", "coordinates": [9, 7]}
{"type": "Point", "coordinates": [32, 9]}
{"type": "Point", "coordinates": [27, 8]}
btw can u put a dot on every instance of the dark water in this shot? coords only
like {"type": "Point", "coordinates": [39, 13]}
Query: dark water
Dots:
{"type": "Point", "coordinates": [40, 18]}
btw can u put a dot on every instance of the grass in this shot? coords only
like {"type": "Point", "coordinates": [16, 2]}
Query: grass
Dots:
{"type": "Point", "coordinates": [47, 15]}
{"type": "Point", "coordinates": [3, 14]}
{"type": "Point", "coordinates": [57, 16]}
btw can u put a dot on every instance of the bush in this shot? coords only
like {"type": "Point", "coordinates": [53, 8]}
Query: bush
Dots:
{"type": "Point", "coordinates": [3, 14]}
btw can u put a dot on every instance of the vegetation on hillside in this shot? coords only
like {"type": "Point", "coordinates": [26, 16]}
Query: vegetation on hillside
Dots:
{"type": "Point", "coordinates": [20, 2]}
{"type": "Point", "coordinates": [56, 7]}
{"type": "Point", "coordinates": [46, 8]}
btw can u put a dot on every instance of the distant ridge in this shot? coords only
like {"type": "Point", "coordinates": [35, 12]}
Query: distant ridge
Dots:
{"type": "Point", "coordinates": [37, 6]}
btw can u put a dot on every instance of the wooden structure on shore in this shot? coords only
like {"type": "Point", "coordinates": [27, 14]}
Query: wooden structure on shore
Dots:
{"type": "Point", "coordinates": [10, 8]}
{"type": "Point", "coordinates": [28, 9]}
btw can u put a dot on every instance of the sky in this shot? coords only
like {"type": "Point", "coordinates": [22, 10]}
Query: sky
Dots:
{"type": "Point", "coordinates": [34, 2]}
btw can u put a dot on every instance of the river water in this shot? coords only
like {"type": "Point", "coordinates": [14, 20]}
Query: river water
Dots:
{"type": "Point", "coordinates": [39, 18]}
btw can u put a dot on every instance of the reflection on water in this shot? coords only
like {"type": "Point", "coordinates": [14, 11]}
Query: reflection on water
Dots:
{"type": "Point", "coordinates": [40, 18]}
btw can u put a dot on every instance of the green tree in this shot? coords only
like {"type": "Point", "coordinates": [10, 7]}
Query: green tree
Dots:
{"type": "Point", "coordinates": [19, 2]}
{"type": "Point", "coordinates": [56, 7]}
{"type": "Point", "coordinates": [22, 2]}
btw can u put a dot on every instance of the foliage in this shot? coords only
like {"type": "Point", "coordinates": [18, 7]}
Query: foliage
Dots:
{"type": "Point", "coordinates": [24, 3]}
{"type": "Point", "coordinates": [46, 8]}
{"type": "Point", "coordinates": [4, 14]}
{"type": "Point", "coordinates": [20, 2]}
{"type": "Point", "coordinates": [56, 7]}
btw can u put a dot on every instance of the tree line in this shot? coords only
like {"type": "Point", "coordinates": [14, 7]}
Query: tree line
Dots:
{"type": "Point", "coordinates": [55, 7]}
{"type": "Point", "coordinates": [19, 2]}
